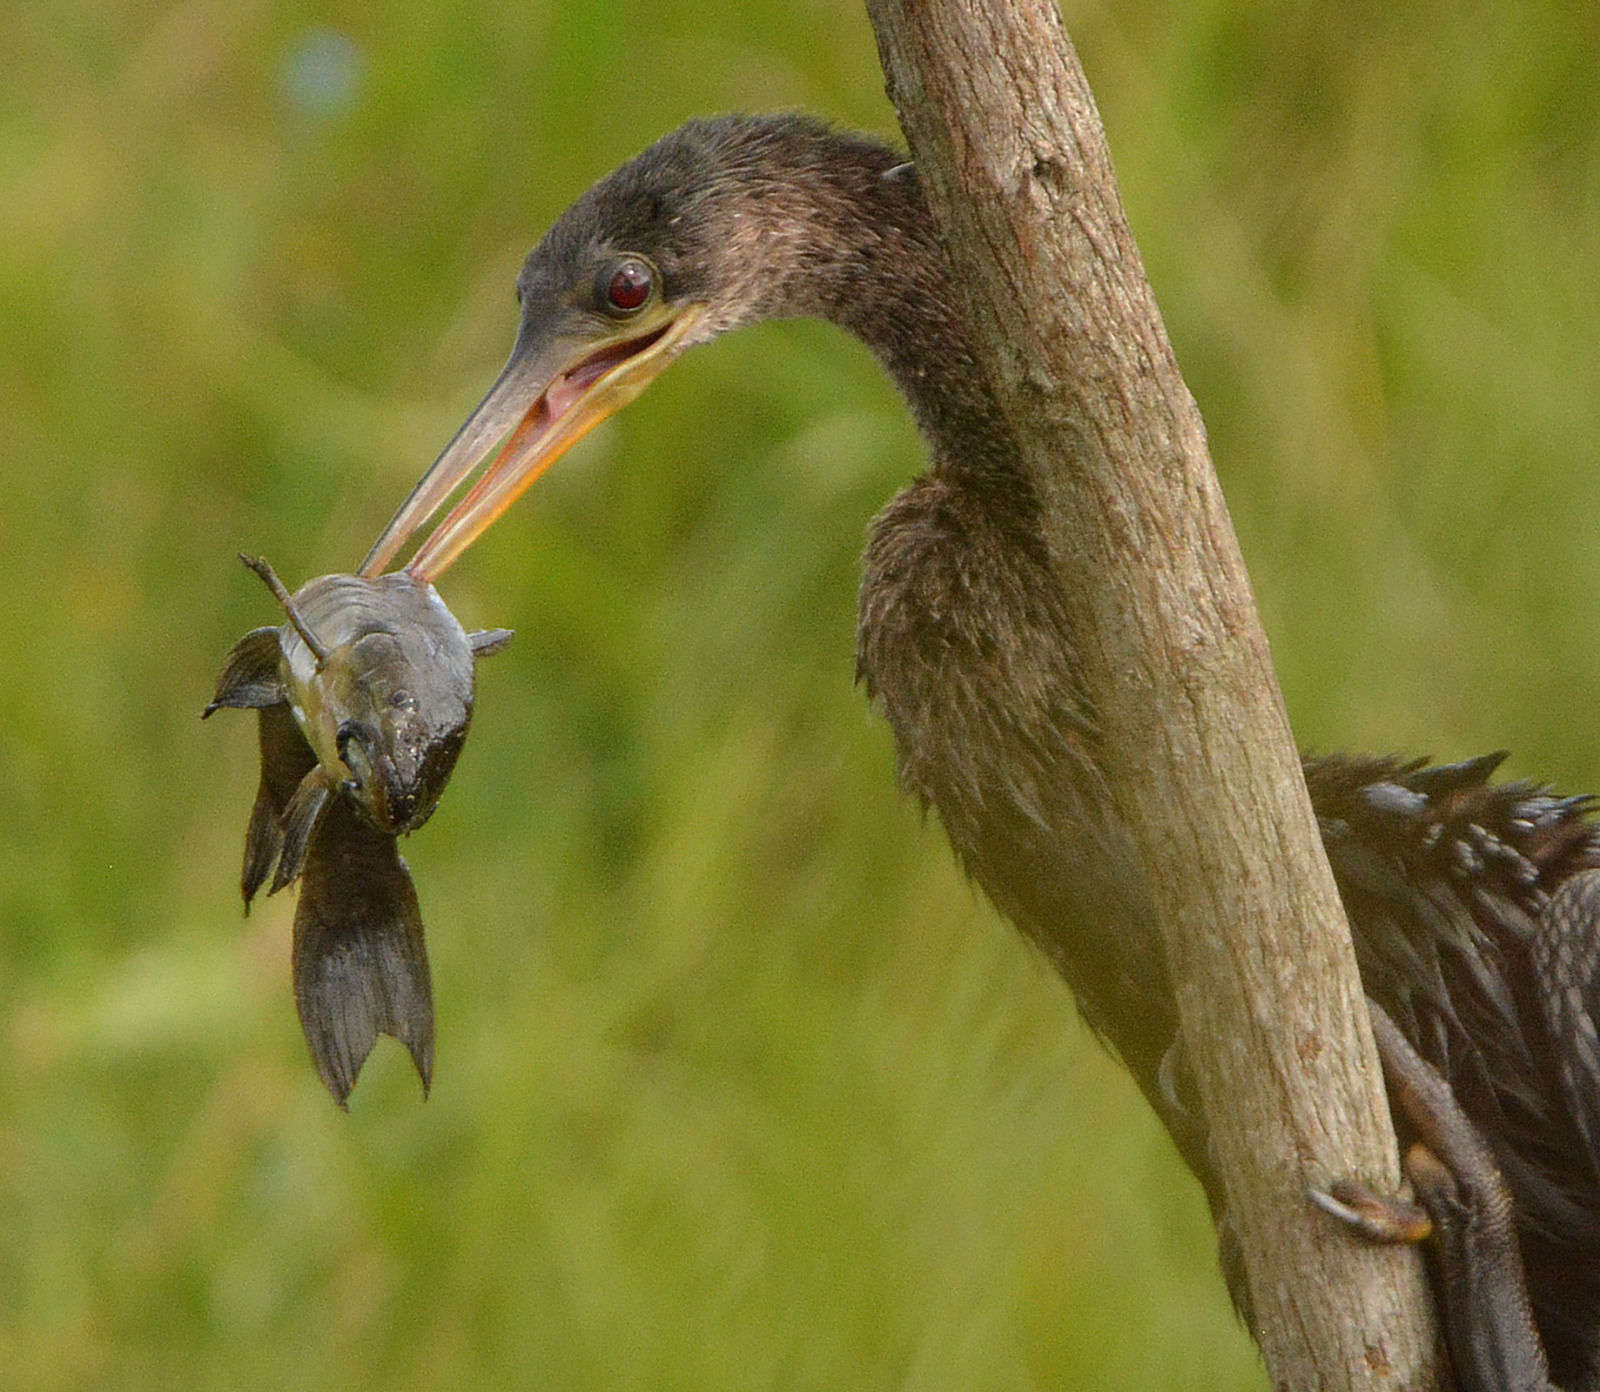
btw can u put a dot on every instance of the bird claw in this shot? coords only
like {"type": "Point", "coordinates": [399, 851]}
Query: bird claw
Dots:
{"type": "Point", "coordinates": [1378, 1218]}
{"type": "Point", "coordinates": [1465, 1208]}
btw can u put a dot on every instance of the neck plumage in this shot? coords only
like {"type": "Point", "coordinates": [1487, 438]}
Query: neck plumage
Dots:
{"type": "Point", "coordinates": [846, 236]}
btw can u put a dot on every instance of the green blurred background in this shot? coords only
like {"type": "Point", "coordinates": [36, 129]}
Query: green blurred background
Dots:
{"type": "Point", "coordinates": [739, 1084]}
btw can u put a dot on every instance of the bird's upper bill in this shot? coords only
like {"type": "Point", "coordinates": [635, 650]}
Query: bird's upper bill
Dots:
{"type": "Point", "coordinates": [561, 381]}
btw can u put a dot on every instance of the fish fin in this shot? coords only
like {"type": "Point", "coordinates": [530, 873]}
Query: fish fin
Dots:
{"type": "Point", "coordinates": [263, 839]}
{"type": "Point", "coordinates": [249, 677]}
{"type": "Point", "coordinates": [286, 759]}
{"type": "Point", "coordinates": [300, 819]}
{"type": "Point", "coordinates": [360, 962]}
{"type": "Point", "coordinates": [486, 642]}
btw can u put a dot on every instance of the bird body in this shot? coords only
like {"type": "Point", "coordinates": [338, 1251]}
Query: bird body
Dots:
{"type": "Point", "coordinates": [963, 643]}
{"type": "Point", "coordinates": [1456, 890]}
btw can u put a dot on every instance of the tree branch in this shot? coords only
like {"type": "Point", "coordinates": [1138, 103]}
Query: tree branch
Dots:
{"type": "Point", "coordinates": [1196, 743]}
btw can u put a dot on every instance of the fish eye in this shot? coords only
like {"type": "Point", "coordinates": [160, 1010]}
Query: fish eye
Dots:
{"type": "Point", "coordinates": [403, 700]}
{"type": "Point", "coordinates": [625, 285]}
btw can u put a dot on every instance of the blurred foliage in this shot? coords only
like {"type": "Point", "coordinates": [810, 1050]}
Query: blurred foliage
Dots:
{"type": "Point", "coordinates": [739, 1084]}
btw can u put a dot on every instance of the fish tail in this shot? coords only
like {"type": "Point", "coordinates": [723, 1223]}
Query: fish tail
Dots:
{"type": "Point", "coordinates": [360, 962]}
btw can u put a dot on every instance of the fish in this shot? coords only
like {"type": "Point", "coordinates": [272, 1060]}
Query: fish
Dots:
{"type": "Point", "coordinates": [363, 699]}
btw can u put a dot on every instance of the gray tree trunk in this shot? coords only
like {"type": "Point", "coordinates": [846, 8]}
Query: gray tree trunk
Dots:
{"type": "Point", "coordinates": [1197, 746]}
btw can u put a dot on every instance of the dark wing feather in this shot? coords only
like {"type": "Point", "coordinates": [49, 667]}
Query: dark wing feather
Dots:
{"type": "Point", "coordinates": [1566, 958]}
{"type": "Point", "coordinates": [1474, 929]}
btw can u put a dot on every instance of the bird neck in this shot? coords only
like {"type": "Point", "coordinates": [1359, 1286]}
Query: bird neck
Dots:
{"type": "Point", "coordinates": [865, 254]}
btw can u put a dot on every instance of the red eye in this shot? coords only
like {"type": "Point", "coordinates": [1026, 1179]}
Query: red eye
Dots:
{"type": "Point", "coordinates": [629, 286]}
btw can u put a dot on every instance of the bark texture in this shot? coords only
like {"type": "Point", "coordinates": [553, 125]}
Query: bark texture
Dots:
{"type": "Point", "coordinates": [1197, 746]}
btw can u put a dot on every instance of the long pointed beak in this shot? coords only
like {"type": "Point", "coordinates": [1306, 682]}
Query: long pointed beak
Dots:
{"type": "Point", "coordinates": [546, 399]}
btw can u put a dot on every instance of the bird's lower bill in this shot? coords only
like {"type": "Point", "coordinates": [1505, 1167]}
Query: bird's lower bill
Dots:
{"type": "Point", "coordinates": [539, 415]}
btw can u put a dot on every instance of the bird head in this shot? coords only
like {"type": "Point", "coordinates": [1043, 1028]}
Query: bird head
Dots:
{"type": "Point", "coordinates": [709, 228]}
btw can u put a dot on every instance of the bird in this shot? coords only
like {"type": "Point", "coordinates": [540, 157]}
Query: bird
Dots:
{"type": "Point", "coordinates": [1473, 903]}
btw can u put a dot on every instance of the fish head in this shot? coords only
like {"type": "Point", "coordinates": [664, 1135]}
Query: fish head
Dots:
{"type": "Point", "coordinates": [380, 678]}
{"type": "Point", "coordinates": [401, 702]}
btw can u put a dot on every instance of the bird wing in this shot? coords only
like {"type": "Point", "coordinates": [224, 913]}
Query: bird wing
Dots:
{"type": "Point", "coordinates": [1566, 959]}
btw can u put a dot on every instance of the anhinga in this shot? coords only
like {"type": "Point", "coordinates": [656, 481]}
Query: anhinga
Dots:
{"type": "Point", "coordinates": [1474, 919]}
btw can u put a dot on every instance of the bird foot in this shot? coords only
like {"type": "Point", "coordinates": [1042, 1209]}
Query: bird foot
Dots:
{"type": "Point", "coordinates": [1464, 1206]}
{"type": "Point", "coordinates": [1379, 1218]}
